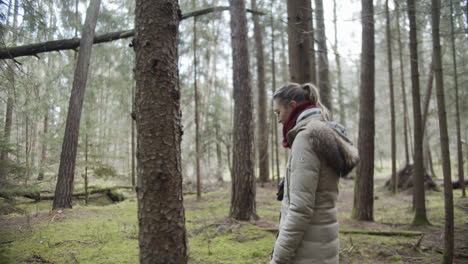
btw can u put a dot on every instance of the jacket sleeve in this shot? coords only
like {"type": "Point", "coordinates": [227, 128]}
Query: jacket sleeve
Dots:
{"type": "Point", "coordinates": [303, 179]}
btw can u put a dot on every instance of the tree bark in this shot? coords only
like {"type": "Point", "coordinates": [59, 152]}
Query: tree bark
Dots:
{"type": "Point", "coordinates": [274, 143]}
{"type": "Point", "coordinates": [133, 119]}
{"type": "Point", "coordinates": [339, 87]}
{"type": "Point", "coordinates": [74, 43]}
{"type": "Point", "coordinates": [299, 40]}
{"type": "Point", "coordinates": [64, 187]}
{"type": "Point", "coordinates": [43, 159]}
{"type": "Point", "coordinates": [444, 139]}
{"type": "Point", "coordinates": [10, 102]}
{"type": "Point", "coordinates": [427, 96]}
{"type": "Point", "coordinates": [461, 172]}
{"type": "Point", "coordinates": [197, 114]}
{"type": "Point", "coordinates": [392, 98]}
{"type": "Point", "coordinates": [243, 206]}
{"type": "Point", "coordinates": [364, 182]}
{"type": "Point", "coordinates": [162, 235]}
{"type": "Point", "coordinates": [420, 217]}
{"type": "Point", "coordinates": [262, 132]}
{"type": "Point", "coordinates": [402, 83]}
{"type": "Point", "coordinates": [311, 31]}
{"type": "Point", "coordinates": [323, 79]}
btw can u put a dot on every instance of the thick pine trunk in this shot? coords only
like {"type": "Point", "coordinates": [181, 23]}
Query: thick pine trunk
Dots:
{"type": "Point", "coordinates": [243, 205]}
{"type": "Point", "coordinates": [8, 122]}
{"type": "Point", "coordinates": [299, 40]}
{"type": "Point", "coordinates": [402, 83]}
{"type": "Point", "coordinates": [64, 187]}
{"type": "Point", "coordinates": [420, 217]}
{"type": "Point", "coordinates": [262, 118]}
{"type": "Point", "coordinates": [322, 55]}
{"type": "Point", "coordinates": [392, 98]}
{"type": "Point", "coordinates": [461, 172]}
{"type": "Point", "coordinates": [444, 139]}
{"type": "Point", "coordinates": [162, 235]}
{"type": "Point", "coordinates": [364, 182]}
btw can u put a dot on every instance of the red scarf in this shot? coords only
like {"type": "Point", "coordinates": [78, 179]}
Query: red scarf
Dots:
{"type": "Point", "coordinates": [292, 119]}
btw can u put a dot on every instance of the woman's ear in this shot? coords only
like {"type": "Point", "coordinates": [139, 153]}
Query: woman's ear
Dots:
{"type": "Point", "coordinates": [292, 104]}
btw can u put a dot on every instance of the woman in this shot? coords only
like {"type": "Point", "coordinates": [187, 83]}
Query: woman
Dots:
{"type": "Point", "coordinates": [320, 154]}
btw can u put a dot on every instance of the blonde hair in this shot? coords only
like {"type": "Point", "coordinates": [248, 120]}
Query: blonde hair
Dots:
{"type": "Point", "coordinates": [300, 93]}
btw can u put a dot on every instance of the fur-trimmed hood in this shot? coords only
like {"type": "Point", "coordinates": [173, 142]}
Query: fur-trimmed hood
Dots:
{"type": "Point", "coordinates": [329, 141]}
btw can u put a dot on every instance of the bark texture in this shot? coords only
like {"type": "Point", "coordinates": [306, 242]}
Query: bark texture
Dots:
{"type": "Point", "coordinates": [339, 87]}
{"type": "Point", "coordinates": [66, 174]}
{"type": "Point", "coordinates": [243, 205]}
{"type": "Point", "coordinates": [392, 98]}
{"type": "Point", "coordinates": [461, 173]}
{"type": "Point", "coordinates": [322, 55]}
{"type": "Point", "coordinates": [161, 218]}
{"type": "Point", "coordinates": [402, 83]}
{"type": "Point", "coordinates": [299, 40]}
{"type": "Point", "coordinates": [262, 118]}
{"type": "Point", "coordinates": [420, 217]}
{"type": "Point", "coordinates": [364, 182]}
{"type": "Point", "coordinates": [444, 139]}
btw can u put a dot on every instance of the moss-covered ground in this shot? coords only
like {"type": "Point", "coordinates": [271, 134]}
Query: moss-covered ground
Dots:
{"type": "Point", "coordinates": [105, 232]}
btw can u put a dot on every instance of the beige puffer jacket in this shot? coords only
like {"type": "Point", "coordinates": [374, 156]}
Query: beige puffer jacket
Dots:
{"type": "Point", "coordinates": [308, 232]}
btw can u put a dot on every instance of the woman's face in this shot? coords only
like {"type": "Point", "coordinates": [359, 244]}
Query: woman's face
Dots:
{"type": "Point", "coordinates": [282, 111]}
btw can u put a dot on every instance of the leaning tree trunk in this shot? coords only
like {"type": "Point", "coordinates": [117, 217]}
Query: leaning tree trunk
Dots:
{"type": "Point", "coordinates": [420, 217]}
{"type": "Point", "coordinates": [444, 139]}
{"type": "Point", "coordinates": [299, 40]}
{"type": "Point", "coordinates": [461, 172]}
{"type": "Point", "coordinates": [364, 182]}
{"type": "Point", "coordinates": [243, 205]}
{"type": "Point", "coordinates": [392, 98]}
{"type": "Point", "coordinates": [402, 83]}
{"type": "Point", "coordinates": [161, 218]}
{"type": "Point", "coordinates": [323, 79]}
{"type": "Point", "coordinates": [262, 132]}
{"type": "Point", "coordinates": [64, 188]}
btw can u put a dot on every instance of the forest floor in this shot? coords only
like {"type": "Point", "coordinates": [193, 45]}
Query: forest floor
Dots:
{"type": "Point", "coordinates": [104, 232]}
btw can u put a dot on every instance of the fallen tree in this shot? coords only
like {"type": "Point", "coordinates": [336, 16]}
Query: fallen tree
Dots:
{"type": "Point", "coordinates": [74, 43]}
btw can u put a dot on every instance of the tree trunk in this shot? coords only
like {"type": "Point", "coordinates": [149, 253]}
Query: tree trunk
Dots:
{"type": "Point", "coordinates": [133, 119]}
{"type": "Point", "coordinates": [339, 87]}
{"type": "Point", "coordinates": [444, 139]}
{"type": "Point", "coordinates": [162, 235]}
{"type": "Point", "coordinates": [427, 96]}
{"type": "Point", "coordinates": [262, 132]}
{"type": "Point", "coordinates": [402, 81]}
{"type": "Point", "coordinates": [420, 217]}
{"type": "Point", "coordinates": [392, 98]}
{"type": "Point", "coordinates": [44, 146]}
{"type": "Point", "coordinates": [10, 102]}
{"type": "Point", "coordinates": [274, 143]}
{"type": "Point", "coordinates": [243, 205]}
{"type": "Point", "coordinates": [298, 40]}
{"type": "Point", "coordinates": [323, 79]}
{"type": "Point", "coordinates": [461, 172]}
{"type": "Point", "coordinates": [364, 182]}
{"type": "Point", "coordinates": [197, 114]}
{"type": "Point", "coordinates": [64, 188]}
{"type": "Point", "coordinates": [311, 36]}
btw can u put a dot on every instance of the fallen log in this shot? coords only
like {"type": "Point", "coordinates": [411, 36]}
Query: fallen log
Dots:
{"type": "Point", "coordinates": [74, 43]}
